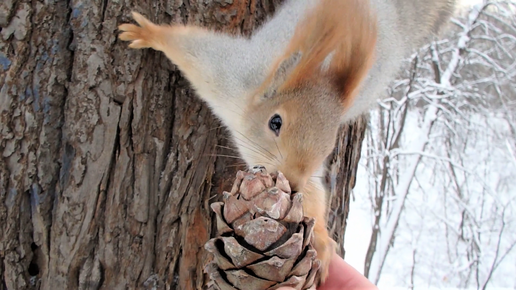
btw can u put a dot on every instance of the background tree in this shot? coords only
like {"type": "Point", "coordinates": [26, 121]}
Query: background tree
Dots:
{"type": "Point", "coordinates": [440, 161]}
{"type": "Point", "coordinates": [109, 161]}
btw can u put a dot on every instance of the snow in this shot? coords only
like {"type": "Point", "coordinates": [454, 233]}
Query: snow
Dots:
{"type": "Point", "coordinates": [448, 219]}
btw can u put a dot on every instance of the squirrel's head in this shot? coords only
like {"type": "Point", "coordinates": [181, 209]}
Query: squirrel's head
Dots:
{"type": "Point", "coordinates": [292, 122]}
{"type": "Point", "coordinates": [292, 131]}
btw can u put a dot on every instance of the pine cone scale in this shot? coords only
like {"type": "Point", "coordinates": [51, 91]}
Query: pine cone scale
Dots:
{"type": "Point", "coordinates": [274, 269]}
{"type": "Point", "coordinates": [242, 280]}
{"type": "Point", "coordinates": [261, 233]}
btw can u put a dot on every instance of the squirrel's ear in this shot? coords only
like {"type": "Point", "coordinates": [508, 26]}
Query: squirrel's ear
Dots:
{"type": "Point", "coordinates": [281, 71]}
{"type": "Point", "coordinates": [348, 75]}
{"type": "Point", "coordinates": [354, 53]}
{"type": "Point", "coordinates": [338, 41]}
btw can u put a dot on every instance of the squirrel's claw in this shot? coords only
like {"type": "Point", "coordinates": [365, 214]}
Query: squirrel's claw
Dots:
{"type": "Point", "coordinates": [140, 19]}
{"type": "Point", "coordinates": [325, 248]}
{"type": "Point", "coordinates": [142, 36]}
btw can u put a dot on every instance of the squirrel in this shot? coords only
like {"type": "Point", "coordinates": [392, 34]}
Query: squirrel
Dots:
{"type": "Point", "coordinates": [284, 92]}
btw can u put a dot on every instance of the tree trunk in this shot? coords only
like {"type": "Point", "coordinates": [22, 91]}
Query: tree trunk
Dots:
{"type": "Point", "coordinates": [109, 161]}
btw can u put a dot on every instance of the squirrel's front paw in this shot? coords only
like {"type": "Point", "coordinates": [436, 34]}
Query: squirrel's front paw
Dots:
{"type": "Point", "coordinates": [325, 247]}
{"type": "Point", "coordinates": [142, 36]}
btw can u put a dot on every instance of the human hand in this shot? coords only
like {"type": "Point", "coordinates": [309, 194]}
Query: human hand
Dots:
{"type": "Point", "coordinates": [343, 277]}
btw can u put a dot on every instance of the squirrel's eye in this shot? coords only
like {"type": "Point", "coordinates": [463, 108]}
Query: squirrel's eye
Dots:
{"type": "Point", "coordinates": [275, 124]}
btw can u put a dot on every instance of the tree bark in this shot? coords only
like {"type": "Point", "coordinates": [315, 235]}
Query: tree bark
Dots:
{"type": "Point", "coordinates": [109, 161]}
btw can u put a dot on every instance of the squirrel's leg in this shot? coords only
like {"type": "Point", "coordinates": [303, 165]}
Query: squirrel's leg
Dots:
{"type": "Point", "coordinates": [315, 205]}
{"type": "Point", "coordinates": [204, 57]}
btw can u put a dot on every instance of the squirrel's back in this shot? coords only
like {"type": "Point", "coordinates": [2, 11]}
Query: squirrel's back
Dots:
{"type": "Point", "coordinates": [402, 26]}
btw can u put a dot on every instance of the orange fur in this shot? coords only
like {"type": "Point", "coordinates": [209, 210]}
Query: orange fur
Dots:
{"type": "Point", "coordinates": [314, 205]}
{"type": "Point", "coordinates": [345, 28]}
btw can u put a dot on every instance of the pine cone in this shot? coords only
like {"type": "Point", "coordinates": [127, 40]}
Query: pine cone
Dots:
{"type": "Point", "coordinates": [263, 240]}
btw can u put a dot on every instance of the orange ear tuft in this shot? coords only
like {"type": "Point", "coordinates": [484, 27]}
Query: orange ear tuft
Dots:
{"type": "Point", "coordinates": [344, 29]}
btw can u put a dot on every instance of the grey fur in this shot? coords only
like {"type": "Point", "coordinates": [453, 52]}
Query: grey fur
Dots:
{"type": "Point", "coordinates": [234, 67]}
